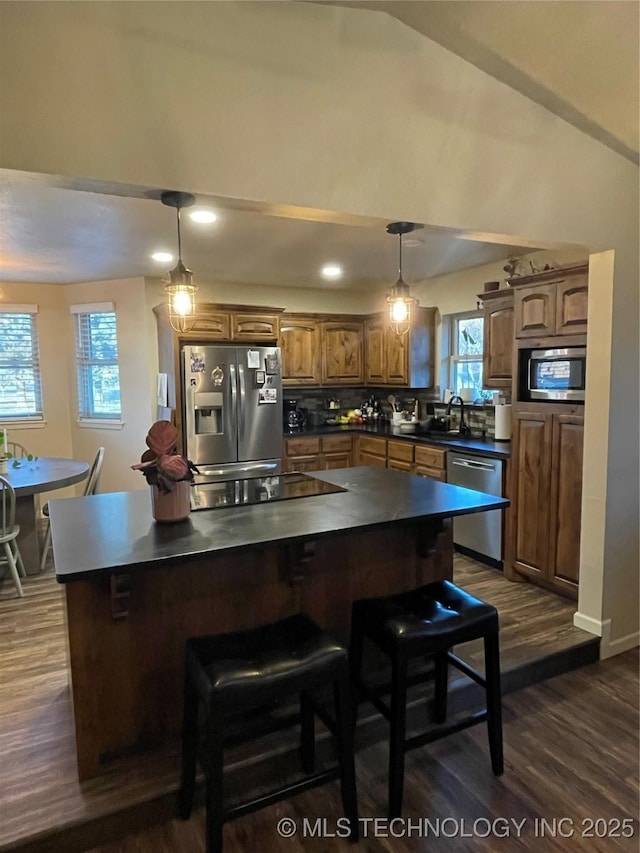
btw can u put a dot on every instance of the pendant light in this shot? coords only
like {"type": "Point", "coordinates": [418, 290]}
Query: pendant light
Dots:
{"type": "Point", "coordinates": [179, 286]}
{"type": "Point", "coordinates": [399, 297]}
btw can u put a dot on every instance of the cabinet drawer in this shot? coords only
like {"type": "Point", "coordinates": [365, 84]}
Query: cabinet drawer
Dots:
{"type": "Point", "coordinates": [255, 327]}
{"type": "Point", "coordinates": [399, 465]}
{"type": "Point", "coordinates": [336, 444]}
{"type": "Point", "coordinates": [373, 446]}
{"type": "Point", "coordinates": [216, 325]}
{"type": "Point", "coordinates": [401, 451]}
{"type": "Point", "coordinates": [431, 457]}
{"type": "Point", "coordinates": [301, 446]}
{"type": "Point", "coordinates": [425, 471]}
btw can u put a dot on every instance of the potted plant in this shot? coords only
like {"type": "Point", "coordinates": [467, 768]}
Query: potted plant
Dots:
{"type": "Point", "coordinates": [169, 474]}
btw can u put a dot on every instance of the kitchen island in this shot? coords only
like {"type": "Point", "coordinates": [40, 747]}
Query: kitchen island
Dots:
{"type": "Point", "coordinates": [136, 590]}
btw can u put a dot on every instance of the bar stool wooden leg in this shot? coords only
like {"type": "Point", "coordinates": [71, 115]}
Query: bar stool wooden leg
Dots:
{"type": "Point", "coordinates": [307, 734]}
{"type": "Point", "coordinates": [189, 750]}
{"type": "Point", "coordinates": [441, 665]}
{"type": "Point", "coordinates": [398, 730]}
{"type": "Point", "coordinates": [214, 784]}
{"type": "Point", "coordinates": [494, 701]}
{"type": "Point", "coordinates": [344, 738]}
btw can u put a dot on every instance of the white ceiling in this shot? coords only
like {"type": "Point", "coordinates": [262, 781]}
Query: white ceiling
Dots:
{"type": "Point", "coordinates": [578, 59]}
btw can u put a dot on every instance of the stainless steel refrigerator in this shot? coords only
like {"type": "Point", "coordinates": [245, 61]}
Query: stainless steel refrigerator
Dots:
{"type": "Point", "coordinates": [232, 410]}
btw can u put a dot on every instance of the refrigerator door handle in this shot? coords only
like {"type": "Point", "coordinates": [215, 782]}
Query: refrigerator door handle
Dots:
{"type": "Point", "coordinates": [233, 384]}
{"type": "Point", "coordinates": [243, 399]}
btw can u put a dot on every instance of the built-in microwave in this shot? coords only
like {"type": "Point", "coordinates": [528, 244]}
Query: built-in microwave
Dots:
{"type": "Point", "coordinates": [553, 374]}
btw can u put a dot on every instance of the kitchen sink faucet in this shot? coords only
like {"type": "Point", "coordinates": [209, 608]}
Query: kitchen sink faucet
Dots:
{"type": "Point", "coordinates": [464, 429]}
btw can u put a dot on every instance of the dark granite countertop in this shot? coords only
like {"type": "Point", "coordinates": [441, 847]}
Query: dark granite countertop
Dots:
{"type": "Point", "coordinates": [471, 444]}
{"type": "Point", "coordinates": [102, 533]}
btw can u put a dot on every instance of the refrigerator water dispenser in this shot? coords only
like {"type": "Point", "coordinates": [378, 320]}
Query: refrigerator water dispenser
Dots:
{"type": "Point", "coordinates": [208, 412]}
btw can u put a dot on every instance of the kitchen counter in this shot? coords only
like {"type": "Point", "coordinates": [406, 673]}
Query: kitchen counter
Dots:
{"type": "Point", "coordinates": [135, 590]}
{"type": "Point", "coordinates": [116, 531]}
{"type": "Point", "coordinates": [472, 444]}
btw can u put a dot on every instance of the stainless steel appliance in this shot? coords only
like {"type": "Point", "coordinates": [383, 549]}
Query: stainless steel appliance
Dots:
{"type": "Point", "coordinates": [232, 410]}
{"type": "Point", "coordinates": [553, 374]}
{"type": "Point", "coordinates": [479, 533]}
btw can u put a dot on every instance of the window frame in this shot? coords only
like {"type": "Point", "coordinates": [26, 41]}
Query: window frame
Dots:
{"type": "Point", "coordinates": [454, 358]}
{"type": "Point", "coordinates": [36, 418]}
{"type": "Point", "coordinates": [87, 415]}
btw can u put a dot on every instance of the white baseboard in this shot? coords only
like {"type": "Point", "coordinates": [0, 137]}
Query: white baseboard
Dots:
{"type": "Point", "coordinates": [608, 647]}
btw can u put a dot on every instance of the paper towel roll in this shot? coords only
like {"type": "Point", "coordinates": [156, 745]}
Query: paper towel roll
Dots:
{"type": "Point", "coordinates": [503, 423]}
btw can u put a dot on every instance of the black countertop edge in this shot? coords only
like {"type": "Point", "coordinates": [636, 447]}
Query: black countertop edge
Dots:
{"type": "Point", "coordinates": [472, 444]}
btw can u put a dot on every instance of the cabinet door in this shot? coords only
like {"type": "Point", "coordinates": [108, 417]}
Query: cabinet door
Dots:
{"type": "Point", "coordinates": [535, 311]}
{"type": "Point", "coordinates": [571, 306]}
{"type": "Point", "coordinates": [531, 453]}
{"type": "Point", "coordinates": [399, 465]}
{"type": "Point", "coordinates": [566, 500]}
{"type": "Point", "coordinates": [303, 463]}
{"type": "Point", "coordinates": [498, 343]}
{"type": "Point", "coordinates": [365, 458]}
{"type": "Point", "coordinates": [342, 349]}
{"type": "Point", "coordinates": [216, 324]}
{"type": "Point", "coordinates": [433, 473]}
{"type": "Point", "coordinates": [255, 327]}
{"type": "Point", "coordinates": [300, 342]}
{"type": "Point", "coordinates": [374, 351]}
{"type": "Point", "coordinates": [336, 460]}
{"type": "Point", "coordinates": [397, 358]}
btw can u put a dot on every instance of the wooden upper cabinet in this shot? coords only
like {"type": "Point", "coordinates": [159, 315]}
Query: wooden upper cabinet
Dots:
{"type": "Point", "coordinates": [553, 302]}
{"type": "Point", "coordinates": [535, 311]}
{"type": "Point", "coordinates": [571, 306]}
{"type": "Point", "coordinates": [498, 348]}
{"type": "Point", "coordinates": [300, 341]}
{"type": "Point", "coordinates": [255, 327]}
{"type": "Point", "coordinates": [401, 360]}
{"type": "Point", "coordinates": [216, 325]}
{"type": "Point", "coordinates": [375, 350]}
{"type": "Point", "coordinates": [342, 352]}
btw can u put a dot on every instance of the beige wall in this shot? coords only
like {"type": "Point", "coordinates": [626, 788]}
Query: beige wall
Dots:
{"type": "Point", "coordinates": [300, 104]}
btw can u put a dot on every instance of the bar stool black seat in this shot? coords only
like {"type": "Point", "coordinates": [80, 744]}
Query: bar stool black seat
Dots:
{"type": "Point", "coordinates": [427, 622]}
{"type": "Point", "coordinates": [229, 674]}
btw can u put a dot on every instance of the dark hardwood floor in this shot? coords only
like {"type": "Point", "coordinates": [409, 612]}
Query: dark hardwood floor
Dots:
{"type": "Point", "coordinates": [571, 746]}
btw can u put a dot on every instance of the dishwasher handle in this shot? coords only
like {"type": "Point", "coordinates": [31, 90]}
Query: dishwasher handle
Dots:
{"type": "Point", "coordinates": [473, 463]}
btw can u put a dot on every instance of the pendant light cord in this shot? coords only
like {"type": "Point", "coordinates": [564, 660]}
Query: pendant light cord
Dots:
{"type": "Point", "coordinates": [179, 240]}
{"type": "Point", "coordinates": [400, 256]}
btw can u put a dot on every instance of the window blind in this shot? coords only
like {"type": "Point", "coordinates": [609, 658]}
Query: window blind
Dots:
{"type": "Point", "coordinates": [97, 361]}
{"type": "Point", "coordinates": [20, 383]}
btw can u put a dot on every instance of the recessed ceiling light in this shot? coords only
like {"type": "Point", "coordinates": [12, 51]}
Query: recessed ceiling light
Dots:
{"type": "Point", "coordinates": [162, 257]}
{"type": "Point", "coordinates": [203, 215]}
{"type": "Point", "coordinates": [331, 271]}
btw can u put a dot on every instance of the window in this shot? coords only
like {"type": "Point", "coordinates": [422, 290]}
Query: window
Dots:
{"type": "Point", "coordinates": [97, 362]}
{"type": "Point", "coordinates": [465, 361]}
{"type": "Point", "coordinates": [20, 386]}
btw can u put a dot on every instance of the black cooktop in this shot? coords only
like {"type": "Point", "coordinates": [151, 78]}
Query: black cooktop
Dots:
{"type": "Point", "coordinates": [257, 490]}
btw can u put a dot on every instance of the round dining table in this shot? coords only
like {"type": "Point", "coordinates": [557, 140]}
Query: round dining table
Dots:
{"type": "Point", "coordinates": [30, 479]}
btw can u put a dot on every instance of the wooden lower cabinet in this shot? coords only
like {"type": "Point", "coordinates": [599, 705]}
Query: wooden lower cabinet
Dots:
{"type": "Point", "coordinates": [547, 465]}
{"type": "Point", "coordinates": [400, 455]}
{"type": "Point", "coordinates": [371, 451]}
{"type": "Point", "coordinates": [430, 462]}
{"type": "Point", "coordinates": [566, 499]}
{"type": "Point", "coordinates": [317, 453]}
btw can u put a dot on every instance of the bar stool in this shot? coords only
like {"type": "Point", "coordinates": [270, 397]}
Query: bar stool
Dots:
{"type": "Point", "coordinates": [427, 622]}
{"type": "Point", "coordinates": [229, 674]}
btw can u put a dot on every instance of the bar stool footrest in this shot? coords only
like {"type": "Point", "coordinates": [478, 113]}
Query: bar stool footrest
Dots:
{"type": "Point", "coordinates": [291, 790]}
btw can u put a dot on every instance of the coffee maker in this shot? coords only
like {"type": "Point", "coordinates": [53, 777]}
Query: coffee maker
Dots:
{"type": "Point", "coordinates": [293, 417]}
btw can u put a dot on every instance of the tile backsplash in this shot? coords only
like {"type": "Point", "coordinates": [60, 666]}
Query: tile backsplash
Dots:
{"type": "Point", "coordinates": [315, 403]}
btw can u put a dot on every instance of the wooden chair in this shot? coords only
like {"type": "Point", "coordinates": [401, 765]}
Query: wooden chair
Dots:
{"type": "Point", "coordinates": [90, 489]}
{"type": "Point", "coordinates": [17, 451]}
{"type": "Point", "coordinates": [9, 531]}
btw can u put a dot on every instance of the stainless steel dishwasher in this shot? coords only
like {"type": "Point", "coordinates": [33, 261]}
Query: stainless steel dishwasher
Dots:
{"type": "Point", "coordinates": [480, 532]}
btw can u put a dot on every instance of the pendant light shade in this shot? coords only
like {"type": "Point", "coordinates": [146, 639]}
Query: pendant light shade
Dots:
{"type": "Point", "coordinates": [179, 286]}
{"type": "Point", "coordinates": [399, 298]}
